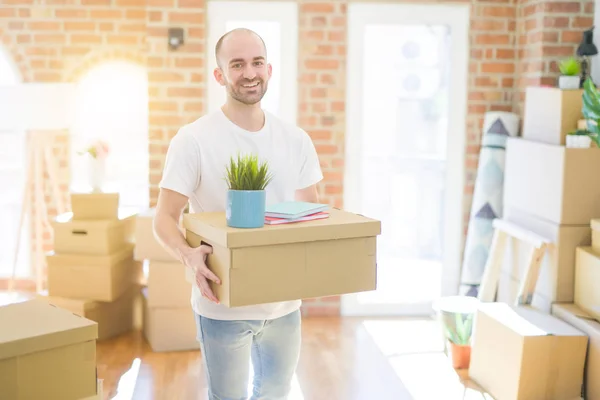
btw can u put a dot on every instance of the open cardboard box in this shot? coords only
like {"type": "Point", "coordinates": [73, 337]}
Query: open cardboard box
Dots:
{"type": "Point", "coordinates": [326, 257]}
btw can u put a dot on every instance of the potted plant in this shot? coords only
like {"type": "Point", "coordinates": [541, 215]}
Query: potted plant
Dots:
{"type": "Point", "coordinates": [579, 138]}
{"type": "Point", "coordinates": [570, 69]}
{"type": "Point", "coordinates": [591, 110]}
{"type": "Point", "coordinates": [458, 333]}
{"type": "Point", "coordinates": [97, 153]}
{"type": "Point", "coordinates": [247, 179]}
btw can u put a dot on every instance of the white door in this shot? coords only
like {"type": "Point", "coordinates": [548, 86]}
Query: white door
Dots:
{"type": "Point", "coordinates": [277, 24]}
{"type": "Point", "coordinates": [405, 141]}
{"type": "Point", "coordinates": [12, 180]}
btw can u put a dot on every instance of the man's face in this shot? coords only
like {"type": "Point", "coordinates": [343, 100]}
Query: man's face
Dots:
{"type": "Point", "coordinates": [244, 70]}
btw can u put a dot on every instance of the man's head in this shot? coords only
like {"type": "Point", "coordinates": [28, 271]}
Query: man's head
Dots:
{"type": "Point", "coordinates": [242, 65]}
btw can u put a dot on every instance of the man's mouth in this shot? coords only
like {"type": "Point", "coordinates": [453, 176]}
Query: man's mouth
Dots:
{"type": "Point", "coordinates": [251, 85]}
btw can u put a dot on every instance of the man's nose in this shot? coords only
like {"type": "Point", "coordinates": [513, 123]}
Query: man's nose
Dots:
{"type": "Point", "coordinates": [249, 72]}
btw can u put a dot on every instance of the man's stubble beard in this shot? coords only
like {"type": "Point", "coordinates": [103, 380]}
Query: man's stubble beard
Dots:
{"type": "Point", "coordinates": [235, 91]}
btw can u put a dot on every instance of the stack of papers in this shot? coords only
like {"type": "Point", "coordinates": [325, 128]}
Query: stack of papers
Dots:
{"type": "Point", "coordinates": [295, 211]}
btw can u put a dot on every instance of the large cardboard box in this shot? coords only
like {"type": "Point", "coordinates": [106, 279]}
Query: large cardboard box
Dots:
{"type": "Point", "coordinates": [46, 353]}
{"type": "Point", "coordinates": [167, 285]}
{"type": "Point", "coordinates": [146, 245]}
{"type": "Point", "coordinates": [93, 237]}
{"type": "Point", "coordinates": [587, 281]}
{"type": "Point", "coordinates": [318, 258]}
{"type": "Point", "coordinates": [519, 353]}
{"type": "Point", "coordinates": [113, 317]}
{"type": "Point", "coordinates": [578, 318]}
{"type": "Point", "coordinates": [552, 182]}
{"type": "Point", "coordinates": [557, 271]}
{"type": "Point", "coordinates": [95, 206]}
{"type": "Point", "coordinates": [550, 113]}
{"type": "Point", "coordinates": [101, 278]}
{"type": "Point", "coordinates": [169, 328]}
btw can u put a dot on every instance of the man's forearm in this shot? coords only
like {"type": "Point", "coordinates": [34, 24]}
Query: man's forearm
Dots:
{"type": "Point", "coordinates": [170, 236]}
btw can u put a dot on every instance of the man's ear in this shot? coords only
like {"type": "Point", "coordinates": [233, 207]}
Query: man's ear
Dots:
{"type": "Point", "coordinates": [218, 74]}
{"type": "Point", "coordinates": [269, 70]}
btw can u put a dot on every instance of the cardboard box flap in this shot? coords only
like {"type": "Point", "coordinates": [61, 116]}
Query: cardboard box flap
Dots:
{"type": "Point", "coordinates": [37, 325]}
{"type": "Point", "coordinates": [527, 321]}
{"type": "Point", "coordinates": [125, 213]}
{"type": "Point", "coordinates": [212, 226]}
{"type": "Point", "coordinates": [78, 306]}
{"type": "Point", "coordinates": [73, 259]}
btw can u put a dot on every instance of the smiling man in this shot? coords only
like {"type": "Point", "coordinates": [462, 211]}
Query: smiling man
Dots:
{"type": "Point", "coordinates": [268, 335]}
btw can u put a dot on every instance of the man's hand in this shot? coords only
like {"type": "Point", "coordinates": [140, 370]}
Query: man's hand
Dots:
{"type": "Point", "coordinates": [195, 258]}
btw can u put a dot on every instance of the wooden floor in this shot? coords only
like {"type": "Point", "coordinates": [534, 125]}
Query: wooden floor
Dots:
{"type": "Point", "coordinates": [341, 359]}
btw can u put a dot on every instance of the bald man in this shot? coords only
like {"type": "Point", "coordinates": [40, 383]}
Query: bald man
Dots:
{"type": "Point", "coordinates": [266, 335]}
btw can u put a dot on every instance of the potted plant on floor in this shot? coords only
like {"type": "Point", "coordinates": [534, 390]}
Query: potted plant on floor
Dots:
{"type": "Point", "coordinates": [247, 179]}
{"type": "Point", "coordinates": [570, 70]}
{"type": "Point", "coordinates": [458, 333]}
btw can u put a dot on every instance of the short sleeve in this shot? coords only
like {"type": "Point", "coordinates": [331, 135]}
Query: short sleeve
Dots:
{"type": "Point", "coordinates": [310, 168]}
{"type": "Point", "coordinates": [181, 172]}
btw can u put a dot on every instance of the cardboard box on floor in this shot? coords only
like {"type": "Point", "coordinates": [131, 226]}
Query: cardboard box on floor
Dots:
{"type": "Point", "coordinates": [519, 353]}
{"type": "Point", "coordinates": [557, 272]}
{"type": "Point", "coordinates": [551, 182]}
{"type": "Point", "coordinates": [587, 281]}
{"type": "Point", "coordinates": [146, 245]}
{"type": "Point", "coordinates": [310, 259]}
{"type": "Point", "coordinates": [579, 319]}
{"type": "Point", "coordinates": [95, 206]}
{"type": "Point", "coordinates": [113, 317]}
{"type": "Point", "coordinates": [46, 353]}
{"type": "Point", "coordinates": [169, 328]}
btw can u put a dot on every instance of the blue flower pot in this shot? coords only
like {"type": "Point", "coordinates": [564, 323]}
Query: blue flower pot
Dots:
{"type": "Point", "coordinates": [246, 208]}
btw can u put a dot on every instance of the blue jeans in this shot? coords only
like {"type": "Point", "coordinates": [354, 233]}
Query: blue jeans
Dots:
{"type": "Point", "coordinates": [228, 347]}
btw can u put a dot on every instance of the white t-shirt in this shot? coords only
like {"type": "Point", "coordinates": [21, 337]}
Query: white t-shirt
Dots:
{"type": "Point", "coordinates": [195, 166]}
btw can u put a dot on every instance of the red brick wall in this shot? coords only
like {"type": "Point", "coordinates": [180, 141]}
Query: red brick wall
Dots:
{"type": "Point", "coordinates": [62, 39]}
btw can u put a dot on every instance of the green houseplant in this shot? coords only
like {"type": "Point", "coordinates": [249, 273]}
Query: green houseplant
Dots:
{"type": "Point", "coordinates": [247, 179]}
{"type": "Point", "coordinates": [458, 333]}
{"type": "Point", "coordinates": [591, 110]}
{"type": "Point", "coordinates": [570, 68]}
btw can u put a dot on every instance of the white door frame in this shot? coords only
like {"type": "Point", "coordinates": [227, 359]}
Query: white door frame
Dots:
{"type": "Point", "coordinates": [457, 18]}
{"type": "Point", "coordinates": [286, 13]}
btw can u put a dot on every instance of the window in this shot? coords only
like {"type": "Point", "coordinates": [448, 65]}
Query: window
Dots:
{"type": "Point", "coordinates": [112, 105]}
{"type": "Point", "coordinates": [277, 24]}
{"type": "Point", "coordinates": [12, 181]}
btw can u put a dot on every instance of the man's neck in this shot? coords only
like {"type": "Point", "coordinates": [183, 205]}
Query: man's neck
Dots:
{"type": "Point", "coordinates": [250, 118]}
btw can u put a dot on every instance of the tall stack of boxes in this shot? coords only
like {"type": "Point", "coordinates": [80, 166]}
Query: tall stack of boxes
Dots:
{"type": "Point", "coordinates": [168, 318]}
{"type": "Point", "coordinates": [550, 349]}
{"type": "Point", "coordinates": [91, 270]}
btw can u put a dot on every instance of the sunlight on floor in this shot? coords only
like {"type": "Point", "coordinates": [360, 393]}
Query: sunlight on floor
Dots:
{"type": "Point", "coordinates": [415, 351]}
{"type": "Point", "coordinates": [126, 385]}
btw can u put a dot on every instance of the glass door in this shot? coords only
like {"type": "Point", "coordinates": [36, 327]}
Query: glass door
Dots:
{"type": "Point", "coordinates": [405, 140]}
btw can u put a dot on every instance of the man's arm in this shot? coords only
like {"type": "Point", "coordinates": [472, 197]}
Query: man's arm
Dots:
{"type": "Point", "coordinates": [166, 228]}
{"type": "Point", "coordinates": [309, 194]}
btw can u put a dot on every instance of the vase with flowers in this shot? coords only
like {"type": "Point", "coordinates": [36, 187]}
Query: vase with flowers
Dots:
{"type": "Point", "coordinates": [97, 152]}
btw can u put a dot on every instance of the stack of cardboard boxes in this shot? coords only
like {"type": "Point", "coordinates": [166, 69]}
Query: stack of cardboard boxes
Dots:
{"type": "Point", "coordinates": [550, 349]}
{"type": "Point", "coordinates": [168, 318]}
{"type": "Point", "coordinates": [91, 270]}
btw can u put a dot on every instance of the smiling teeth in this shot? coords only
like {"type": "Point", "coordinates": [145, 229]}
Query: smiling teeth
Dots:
{"type": "Point", "coordinates": [249, 86]}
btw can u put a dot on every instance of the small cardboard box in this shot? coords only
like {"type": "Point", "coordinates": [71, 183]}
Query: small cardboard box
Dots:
{"type": "Point", "coordinates": [579, 319]}
{"type": "Point", "coordinates": [552, 182]}
{"type": "Point", "coordinates": [555, 281]}
{"type": "Point", "coordinates": [550, 113]}
{"type": "Point", "coordinates": [169, 328]}
{"type": "Point", "coordinates": [167, 285]}
{"type": "Point", "coordinates": [519, 353]}
{"type": "Point", "coordinates": [113, 317]}
{"type": "Point", "coordinates": [46, 353]}
{"type": "Point", "coordinates": [146, 245]}
{"type": "Point", "coordinates": [95, 206]}
{"type": "Point", "coordinates": [587, 281]}
{"type": "Point", "coordinates": [93, 237]}
{"type": "Point", "coordinates": [101, 278]}
{"type": "Point", "coordinates": [284, 262]}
